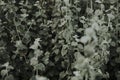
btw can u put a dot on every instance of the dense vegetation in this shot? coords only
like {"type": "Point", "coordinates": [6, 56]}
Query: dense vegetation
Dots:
{"type": "Point", "coordinates": [59, 40]}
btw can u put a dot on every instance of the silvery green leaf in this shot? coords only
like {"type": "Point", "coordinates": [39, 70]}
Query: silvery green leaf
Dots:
{"type": "Point", "coordinates": [62, 24]}
{"type": "Point", "coordinates": [4, 72]}
{"type": "Point", "coordinates": [80, 30]}
{"type": "Point", "coordinates": [40, 66]}
{"type": "Point", "coordinates": [9, 77]}
{"type": "Point", "coordinates": [62, 74]}
{"type": "Point", "coordinates": [38, 13]}
{"type": "Point", "coordinates": [98, 1]}
{"type": "Point", "coordinates": [64, 50]}
{"type": "Point", "coordinates": [36, 44]}
{"type": "Point", "coordinates": [56, 51]}
{"type": "Point", "coordinates": [24, 15]}
{"type": "Point", "coordinates": [17, 23]}
{"type": "Point", "coordinates": [38, 52]}
{"type": "Point", "coordinates": [76, 73]}
{"type": "Point", "coordinates": [33, 61]}
{"type": "Point", "coordinates": [20, 45]}
{"type": "Point", "coordinates": [5, 64]}
{"type": "Point", "coordinates": [2, 2]}
{"type": "Point", "coordinates": [67, 2]}
{"type": "Point", "coordinates": [74, 43]}
{"type": "Point", "coordinates": [89, 50]}
{"type": "Point", "coordinates": [118, 49]}
{"type": "Point", "coordinates": [40, 78]}
{"type": "Point", "coordinates": [85, 39]}
{"type": "Point", "coordinates": [90, 32]}
{"type": "Point", "coordinates": [75, 78]}
{"type": "Point", "coordinates": [111, 1]}
{"type": "Point", "coordinates": [23, 10]}
{"type": "Point", "coordinates": [98, 12]}
{"type": "Point", "coordinates": [110, 16]}
{"type": "Point", "coordinates": [95, 26]}
{"type": "Point", "coordinates": [33, 78]}
{"type": "Point", "coordinates": [89, 10]}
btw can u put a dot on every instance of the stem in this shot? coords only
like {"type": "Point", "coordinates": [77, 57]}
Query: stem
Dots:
{"type": "Point", "coordinates": [18, 33]}
{"type": "Point", "coordinates": [17, 30]}
{"type": "Point", "coordinates": [25, 59]}
{"type": "Point", "coordinates": [86, 76]}
{"type": "Point", "coordinates": [87, 8]}
{"type": "Point", "coordinates": [117, 11]}
{"type": "Point", "coordinates": [91, 4]}
{"type": "Point", "coordinates": [36, 71]}
{"type": "Point", "coordinates": [117, 20]}
{"type": "Point", "coordinates": [26, 32]}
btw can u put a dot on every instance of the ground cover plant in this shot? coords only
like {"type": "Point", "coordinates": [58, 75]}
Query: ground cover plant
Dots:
{"type": "Point", "coordinates": [59, 40]}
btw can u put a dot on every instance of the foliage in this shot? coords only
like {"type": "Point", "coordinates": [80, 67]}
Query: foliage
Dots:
{"type": "Point", "coordinates": [59, 40]}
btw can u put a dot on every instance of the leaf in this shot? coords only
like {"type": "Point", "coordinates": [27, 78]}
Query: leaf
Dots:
{"type": "Point", "coordinates": [110, 16]}
{"type": "Point", "coordinates": [23, 10]}
{"type": "Point", "coordinates": [67, 2]}
{"type": "Point", "coordinates": [40, 66]}
{"type": "Point", "coordinates": [4, 72]}
{"type": "Point", "coordinates": [20, 45]}
{"type": "Point", "coordinates": [112, 1]}
{"type": "Point", "coordinates": [113, 44]}
{"type": "Point", "coordinates": [85, 39]}
{"type": "Point", "coordinates": [102, 7]}
{"type": "Point", "coordinates": [40, 78]}
{"type": "Point", "coordinates": [10, 67]}
{"type": "Point", "coordinates": [98, 1]}
{"type": "Point", "coordinates": [95, 26]}
{"type": "Point", "coordinates": [24, 15]}
{"type": "Point", "coordinates": [16, 23]}
{"type": "Point", "coordinates": [45, 59]}
{"type": "Point", "coordinates": [89, 50]}
{"type": "Point", "coordinates": [21, 2]}
{"type": "Point", "coordinates": [62, 74]}
{"type": "Point", "coordinates": [38, 52]}
{"type": "Point", "coordinates": [2, 3]}
{"type": "Point", "coordinates": [78, 9]}
{"type": "Point", "coordinates": [56, 51]}
{"type": "Point", "coordinates": [6, 64]}
{"type": "Point", "coordinates": [80, 30]}
{"type": "Point", "coordinates": [74, 43]}
{"type": "Point", "coordinates": [98, 12]}
{"type": "Point", "coordinates": [66, 34]}
{"type": "Point", "coordinates": [75, 36]}
{"type": "Point", "coordinates": [80, 46]}
{"type": "Point", "coordinates": [118, 49]}
{"type": "Point", "coordinates": [62, 24]}
{"type": "Point", "coordinates": [89, 32]}
{"type": "Point", "coordinates": [89, 11]}
{"type": "Point", "coordinates": [64, 50]}
{"type": "Point", "coordinates": [79, 58]}
{"type": "Point", "coordinates": [38, 14]}
{"type": "Point", "coordinates": [36, 44]}
{"type": "Point", "coordinates": [76, 73]}
{"type": "Point", "coordinates": [75, 78]}
{"type": "Point", "coordinates": [33, 78]}
{"type": "Point", "coordinates": [9, 77]}
{"type": "Point", "coordinates": [117, 60]}
{"type": "Point", "coordinates": [33, 61]}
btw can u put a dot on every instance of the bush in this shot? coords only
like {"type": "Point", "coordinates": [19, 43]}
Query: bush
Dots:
{"type": "Point", "coordinates": [59, 40]}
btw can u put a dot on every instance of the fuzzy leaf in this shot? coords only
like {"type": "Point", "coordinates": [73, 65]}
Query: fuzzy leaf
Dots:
{"type": "Point", "coordinates": [4, 72]}
{"type": "Point", "coordinates": [40, 78]}
{"type": "Point", "coordinates": [36, 44]}
{"type": "Point", "coordinates": [39, 66]}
